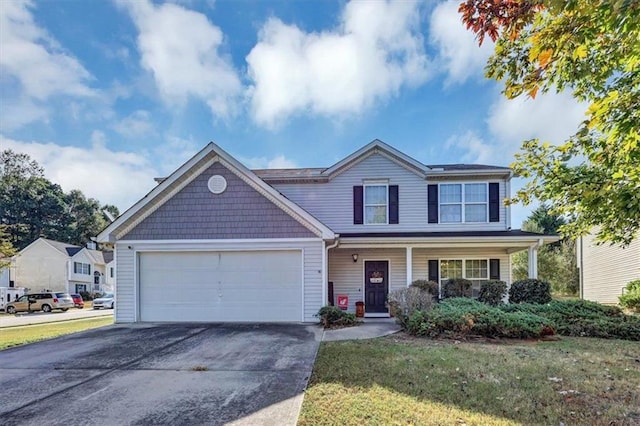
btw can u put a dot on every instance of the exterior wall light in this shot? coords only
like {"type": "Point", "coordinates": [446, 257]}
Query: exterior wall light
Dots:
{"type": "Point", "coordinates": [354, 256]}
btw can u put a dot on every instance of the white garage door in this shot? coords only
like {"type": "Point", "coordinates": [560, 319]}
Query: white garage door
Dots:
{"type": "Point", "coordinates": [248, 286]}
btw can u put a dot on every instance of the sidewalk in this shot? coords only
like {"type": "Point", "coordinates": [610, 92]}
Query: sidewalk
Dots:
{"type": "Point", "coordinates": [369, 329]}
{"type": "Point", "coordinates": [16, 320]}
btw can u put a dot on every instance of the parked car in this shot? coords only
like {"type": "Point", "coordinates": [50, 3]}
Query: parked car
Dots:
{"type": "Point", "coordinates": [45, 302]}
{"type": "Point", "coordinates": [106, 301]}
{"type": "Point", "coordinates": [77, 301]}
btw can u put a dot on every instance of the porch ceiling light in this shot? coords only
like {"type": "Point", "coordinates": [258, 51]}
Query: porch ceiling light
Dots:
{"type": "Point", "coordinates": [354, 256]}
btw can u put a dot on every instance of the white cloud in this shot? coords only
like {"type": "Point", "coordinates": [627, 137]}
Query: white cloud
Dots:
{"type": "Point", "coordinates": [112, 177]}
{"type": "Point", "coordinates": [136, 124]}
{"type": "Point", "coordinates": [376, 49]}
{"type": "Point", "coordinates": [475, 149]}
{"type": "Point", "coordinates": [34, 67]}
{"type": "Point", "coordinates": [458, 51]}
{"type": "Point", "coordinates": [277, 162]}
{"type": "Point", "coordinates": [549, 117]}
{"type": "Point", "coordinates": [180, 48]}
{"type": "Point", "coordinates": [34, 58]}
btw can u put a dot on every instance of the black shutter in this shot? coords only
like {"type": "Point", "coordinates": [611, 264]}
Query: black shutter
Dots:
{"type": "Point", "coordinates": [357, 205]}
{"type": "Point", "coordinates": [494, 202]}
{"type": "Point", "coordinates": [494, 269]}
{"type": "Point", "coordinates": [434, 275]}
{"type": "Point", "coordinates": [393, 204]}
{"type": "Point", "coordinates": [432, 203]}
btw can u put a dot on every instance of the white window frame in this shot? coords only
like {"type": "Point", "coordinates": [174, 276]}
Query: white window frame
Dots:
{"type": "Point", "coordinates": [384, 184]}
{"type": "Point", "coordinates": [463, 201]}
{"type": "Point", "coordinates": [464, 260]}
{"type": "Point", "coordinates": [80, 267]}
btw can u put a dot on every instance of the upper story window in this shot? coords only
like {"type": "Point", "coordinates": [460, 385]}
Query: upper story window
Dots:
{"type": "Point", "coordinates": [463, 203]}
{"type": "Point", "coordinates": [376, 204]}
{"type": "Point", "coordinates": [81, 268]}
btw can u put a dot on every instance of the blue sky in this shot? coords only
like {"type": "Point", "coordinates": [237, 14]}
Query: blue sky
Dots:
{"type": "Point", "coordinates": [107, 95]}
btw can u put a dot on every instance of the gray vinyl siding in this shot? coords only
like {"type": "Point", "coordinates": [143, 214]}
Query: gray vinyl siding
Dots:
{"type": "Point", "coordinates": [332, 202]}
{"type": "Point", "coordinates": [127, 281]}
{"type": "Point", "coordinates": [125, 291]}
{"type": "Point", "coordinates": [348, 276]}
{"type": "Point", "coordinates": [239, 212]}
{"type": "Point", "coordinates": [607, 269]}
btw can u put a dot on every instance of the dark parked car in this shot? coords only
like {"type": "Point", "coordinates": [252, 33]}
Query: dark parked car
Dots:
{"type": "Point", "coordinates": [77, 301]}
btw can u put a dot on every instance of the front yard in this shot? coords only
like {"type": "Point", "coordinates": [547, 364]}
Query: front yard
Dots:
{"type": "Point", "coordinates": [405, 380]}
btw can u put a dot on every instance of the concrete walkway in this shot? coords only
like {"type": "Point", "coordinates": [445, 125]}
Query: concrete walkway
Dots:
{"type": "Point", "coordinates": [369, 329]}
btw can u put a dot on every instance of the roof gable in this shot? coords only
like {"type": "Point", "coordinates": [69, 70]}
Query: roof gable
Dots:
{"type": "Point", "coordinates": [376, 147]}
{"type": "Point", "coordinates": [188, 172]}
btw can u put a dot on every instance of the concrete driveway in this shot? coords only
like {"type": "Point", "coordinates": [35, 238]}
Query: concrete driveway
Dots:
{"type": "Point", "coordinates": [151, 374]}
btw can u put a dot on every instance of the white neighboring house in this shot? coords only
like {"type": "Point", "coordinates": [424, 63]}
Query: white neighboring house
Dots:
{"type": "Point", "coordinates": [606, 269]}
{"type": "Point", "coordinates": [4, 277]}
{"type": "Point", "coordinates": [57, 266]}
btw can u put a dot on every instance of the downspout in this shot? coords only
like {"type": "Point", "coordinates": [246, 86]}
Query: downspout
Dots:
{"type": "Point", "coordinates": [532, 267]}
{"type": "Point", "coordinates": [325, 257]}
{"type": "Point", "coordinates": [581, 266]}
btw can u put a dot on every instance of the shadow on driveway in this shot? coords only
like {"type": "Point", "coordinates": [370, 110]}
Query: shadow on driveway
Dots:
{"type": "Point", "coordinates": [160, 374]}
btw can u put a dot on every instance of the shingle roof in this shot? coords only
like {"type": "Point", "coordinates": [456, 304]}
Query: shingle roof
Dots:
{"type": "Point", "coordinates": [64, 248]}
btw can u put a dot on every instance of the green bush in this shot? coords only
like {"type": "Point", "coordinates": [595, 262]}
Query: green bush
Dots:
{"type": "Point", "coordinates": [86, 296]}
{"type": "Point", "coordinates": [429, 286]}
{"type": "Point", "coordinates": [332, 316]}
{"type": "Point", "coordinates": [492, 292]}
{"type": "Point", "coordinates": [456, 287]}
{"type": "Point", "coordinates": [462, 316]}
{"type": "Point", "coordinates": [530, 291]}
{"type": "Point", "coordinates": [583, 318]}
{"type": "Point", "coordinates": [405, 302]}
{"type": "Point", "coordinates": [631, 298]}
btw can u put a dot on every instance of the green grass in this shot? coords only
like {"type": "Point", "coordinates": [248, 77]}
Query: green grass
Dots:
{"type": "Point", "coordinates": [402, 380]}
{"type": "Point", "coordinates": [14, 336]}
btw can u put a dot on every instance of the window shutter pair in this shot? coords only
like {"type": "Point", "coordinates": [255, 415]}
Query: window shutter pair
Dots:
{"type": "Point", "coordinates": [494, 270]}
{"type": "Point", "coordinates": [494, 203]}
{"type": "Point", "coordinates": [358, 205]}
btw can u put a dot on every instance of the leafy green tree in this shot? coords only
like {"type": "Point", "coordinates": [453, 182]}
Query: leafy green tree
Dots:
{"type": "Point", "coordinates": [6, 248]}
{"type": "Point", "coordinates": [592, 49]}
{"type": "Point", "coordinates": [557, 263]}
{"type": "Point", "coordinates": [31, 206]}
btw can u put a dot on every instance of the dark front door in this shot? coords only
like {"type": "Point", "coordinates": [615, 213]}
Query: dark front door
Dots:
{"type": "Point", "coordinates": [376, 285]}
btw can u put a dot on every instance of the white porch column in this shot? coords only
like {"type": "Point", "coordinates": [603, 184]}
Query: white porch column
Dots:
{"type": "Point", "coordinates": [409, 266]}
{"type": "Point", "coordinates": [533, 262]}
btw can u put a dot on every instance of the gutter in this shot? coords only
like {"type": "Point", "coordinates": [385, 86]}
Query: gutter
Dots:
{"type": "Point", "coordinates": [325, 272]}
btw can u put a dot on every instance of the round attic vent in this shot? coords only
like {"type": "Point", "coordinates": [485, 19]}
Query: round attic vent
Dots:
{"type": "Point", "coordinates": [217, 184]}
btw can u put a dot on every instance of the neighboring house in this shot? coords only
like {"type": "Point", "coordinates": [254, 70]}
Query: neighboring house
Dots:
{"type": "Point", "coordinates": [606, 269]}
{"type": "Point", "coordinates": [4, 277]}
{"type": "Point", "coordinates": [216, 241]}
{"type": "Point", "coordinates": [56, 266]}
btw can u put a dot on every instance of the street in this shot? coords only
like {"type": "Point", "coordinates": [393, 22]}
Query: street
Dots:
{"type": "Point", "coordinates": [24, 318]}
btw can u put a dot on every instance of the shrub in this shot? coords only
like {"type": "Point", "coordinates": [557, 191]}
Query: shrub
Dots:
{"type": "Point", "coordinates": [530, 291]}
{"type": "Point", "coordinates": [429, 286]}
{"type": "Point", "coordinates": [584, 318]}
{"type": "Point", "coordinates": [405, 302]}
{"type": "Point", "coordinates": [456, 287]}
{"type": "Point", "coordinates": [631, 298]}
{"type": "Point", "coordinates": [462, 316]}
{"type": "Point", "coordinates": [332, 316]}
{"type": "Point", "coordinates": [86, 296]}
{"type": "Point", "coordinates": [492, 292]}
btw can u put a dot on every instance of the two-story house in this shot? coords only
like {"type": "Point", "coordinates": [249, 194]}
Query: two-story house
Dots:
{"type": "Point", "coordinates": [216, 241]}
{"type": "Point", "coordinates": [56, 266]}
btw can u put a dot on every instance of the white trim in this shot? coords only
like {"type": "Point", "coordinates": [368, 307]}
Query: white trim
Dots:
{"type": "Point", "coordinates": [223, 241]}
{"type": "Point", "coordinates": [409, 262]}
{"type": "Point", "coordinates": [463, 203]}
{"type": "Point", "coordinates": [379, 147]}
{"type": "Point", "coordinates": [364, 203]}
{"type": "Point", "coordinates": [302, 281]}
{"type": "Point", "coordinates": [464, 273]}
{"type": "Point", "coordinates": [507, 189]}
{"type": "Point", "coordinates": [472, 172]}
{"type": "Point", "coordinates": [364, 284]}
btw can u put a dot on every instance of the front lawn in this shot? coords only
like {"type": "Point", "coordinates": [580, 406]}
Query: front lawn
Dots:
{"type": "Point", "coordinates": [14, 336]}
{"type": "Point", "coordinates": [405, 380]}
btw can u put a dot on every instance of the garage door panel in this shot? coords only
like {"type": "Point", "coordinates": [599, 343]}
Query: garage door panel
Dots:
{"type": "Point", "coordinates": [221, 286]}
